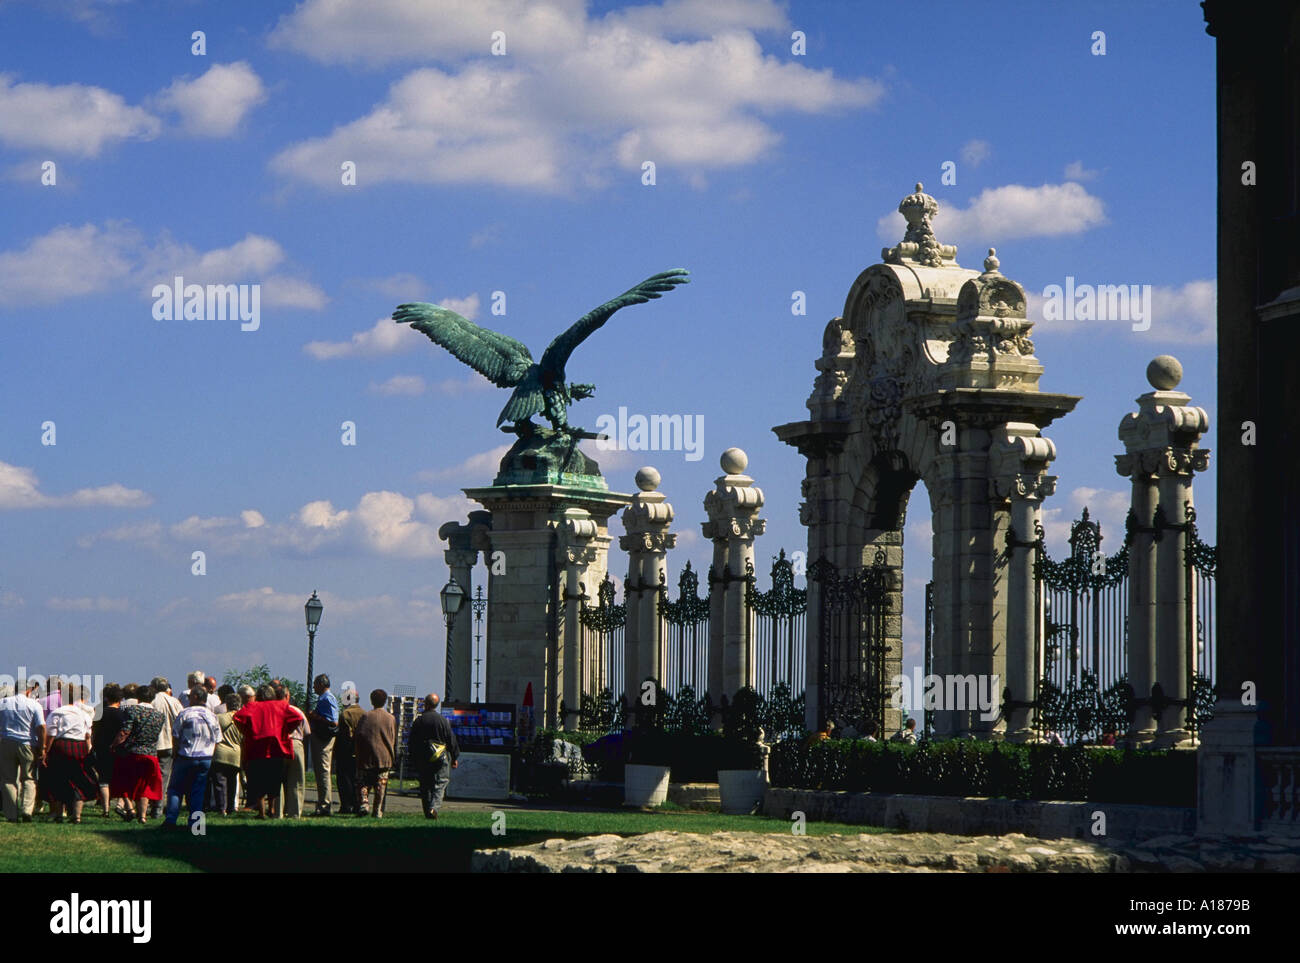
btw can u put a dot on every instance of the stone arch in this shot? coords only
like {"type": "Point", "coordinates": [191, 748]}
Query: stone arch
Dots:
{"type": "Point", "coordinates": [926, 345]}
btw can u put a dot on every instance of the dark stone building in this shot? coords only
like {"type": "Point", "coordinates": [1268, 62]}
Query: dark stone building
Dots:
{"type": "Point", "coordinates": [1250, 757]}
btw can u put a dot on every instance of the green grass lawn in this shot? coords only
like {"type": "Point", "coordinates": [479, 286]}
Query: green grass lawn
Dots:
{"type": "Point", "coordinates": [397, 843]}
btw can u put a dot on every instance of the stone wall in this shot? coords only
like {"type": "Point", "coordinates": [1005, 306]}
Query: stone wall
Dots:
{"type": "Point", "coordinates": [973, 816]}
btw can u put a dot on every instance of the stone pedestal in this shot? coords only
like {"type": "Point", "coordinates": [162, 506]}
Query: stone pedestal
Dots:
{"type": "Point", "coordinates": [528, 636]}
{"type": "Point", "coordinates": [1161, 455]}
{"type": "Point", "coordinates": [732, 507]}
{"type": "Point", "coordinates": [647, 541]}
{"type": "Point", "coordinates": [1021, 457]}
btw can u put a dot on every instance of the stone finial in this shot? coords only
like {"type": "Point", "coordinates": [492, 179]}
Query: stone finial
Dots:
{"type": "Point", "coordinates": [1164, 372]}
{"type": "Point", "coordinates": [991, 263]}
{"type": "Point", "coordinates": [648, 479]}
{"type": "Point", "coordinates": [647, 518]}
{"type": "Point", "coordinates": [919, 242]}
{"type": "Point", "coordinates": [734, 461]}
{"type": "Point", "coordinates": [733, 504]}
{"type": "Point", "coordinates": [918, 209]}
{"type": "Point", "coordinates": [1163, 435]}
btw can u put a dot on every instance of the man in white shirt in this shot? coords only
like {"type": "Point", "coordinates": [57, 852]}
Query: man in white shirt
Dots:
{"type": "Point", "coordinates": [195, 734]}
{"type": "Point", "coordinates": [22, 747]}
{"type": "Point", "coordinates": [170, 707]}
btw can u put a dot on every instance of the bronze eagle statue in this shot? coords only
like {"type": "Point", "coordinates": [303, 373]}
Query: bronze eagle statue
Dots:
{"type": "Point", "coordinates": [540, 387]}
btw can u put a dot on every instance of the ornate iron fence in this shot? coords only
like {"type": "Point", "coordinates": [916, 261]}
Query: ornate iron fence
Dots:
{"type": "Point", "coordinates": [1083, 687]}
{"type": "Point", "coordinates": [780, 638]}
{"type": "Point", "coordinates": [684, 635]}
{"type": "Point", "coordinates": [852, 647]}
{"type": "Point", "coordinates": [927, 715]}
{"type": "Point", "coordinates": [603, 625]}
{"type": "Point", "coordinates": [1201, 562]}
{"type": "Point", "coordinates": [1082, 641]}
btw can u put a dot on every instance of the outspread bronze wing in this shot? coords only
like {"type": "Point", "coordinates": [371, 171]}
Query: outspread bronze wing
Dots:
{"type": "Point", "coordinates": [558, 351]}
{"type": "Point", "coordinates": [498, 357]}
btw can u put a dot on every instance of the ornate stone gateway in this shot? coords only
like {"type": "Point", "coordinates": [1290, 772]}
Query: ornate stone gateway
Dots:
{"type": "Point", "coordinates": [930, 375]}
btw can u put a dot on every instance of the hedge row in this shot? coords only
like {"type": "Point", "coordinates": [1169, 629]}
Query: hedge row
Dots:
{"type": "Point", "coordinates": [970, 768]}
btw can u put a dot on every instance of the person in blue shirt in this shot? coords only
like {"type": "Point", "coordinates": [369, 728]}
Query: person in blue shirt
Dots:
{"type": "Point", "coordinates": [324, 720]}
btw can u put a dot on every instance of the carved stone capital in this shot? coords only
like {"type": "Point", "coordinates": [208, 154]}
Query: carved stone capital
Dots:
{"type": "Point", "coordinates": [1018, 460]}
{"type": "Point", "coordinates": [740, 527]}
{"type": "Point", "coordinates": [460, 558]}
{"type": "Point", "coordinates": [1026, 486]}
{"type": "Point", "coordinates": [647, 543]}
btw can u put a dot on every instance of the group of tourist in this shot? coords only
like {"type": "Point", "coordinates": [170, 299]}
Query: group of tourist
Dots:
{"type": "Point", "coordinates": [142, 752]}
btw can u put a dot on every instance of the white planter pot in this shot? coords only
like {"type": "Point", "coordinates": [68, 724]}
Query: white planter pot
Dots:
{"type": "Point", "coordinates": [741, 790]}
{"type": "Point", "coordinates": [644, 785]}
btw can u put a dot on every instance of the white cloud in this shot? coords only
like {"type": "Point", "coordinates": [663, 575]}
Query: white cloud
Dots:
{"type": "Point", "coordinates": [214, 104]}
{"type": "Point", "coordinates": [1001, 214]}
{"type": "Point", "coordinates": [1105, 506]}
{"type": "Point", "coordinates": [68, 262]}
{"type": "Point", "coordinates": [382, 523]}
{"type": "Point", "coordinates": [975, 152]}
{"type": "Point", "coordinates": [1075, 171]}
{"type": "Point", "coordinates": [70, 118]}
{"type": "Point", "coordinates": [400, 385]}
{"type": "Point", "coordinates": [86, 604]}
{"type": "Point", "coordinates": [466, 307]}
{"type": "Point", "coordinates": [286, 292]}
{"type": "Point", "coordinates": [1187, 314]}
{"type": "Point", "coordinates": [11, 600]}
{"type": "Point", "coordinates": [473, 469]}
{"type": "Point", "coordinates": [684, 84]}
{"type": "Point", "coordinates": [400, 287]}
{"type": "Point", "coordinates": [20, 489]}
{"type": "Point", "coordinates": [386, 337]}
{"type": "Point", "coordinates": [379, 616]}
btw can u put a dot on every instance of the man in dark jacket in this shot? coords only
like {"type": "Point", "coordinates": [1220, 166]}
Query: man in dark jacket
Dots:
{"type": "Point", "coordinates": [434, 749]}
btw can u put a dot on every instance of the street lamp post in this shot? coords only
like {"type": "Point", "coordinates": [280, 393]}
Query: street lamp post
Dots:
{"type": "Point", "coordinates": [453, 597]}
{"type": "Point", "coordinates": [313, 610]}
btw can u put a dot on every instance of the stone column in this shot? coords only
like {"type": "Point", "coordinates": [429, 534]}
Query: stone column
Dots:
{"type": "Point", "coordinates": [1020, 457]}
{"type": "Point", "coordinates": [647, 541]}
{"type": "Point", "coordinates": [732, 507]}
{"type": "Point", "coordinates": [1162, 438]}
{"type": "Point", "coordinates": [1140, 466]}
{"type": "Point", "coordinates": [577, 545]}
{"type": "Point", "coordinates": [525, 617]}
{"type": "Point", "coordinates": [464, 542]}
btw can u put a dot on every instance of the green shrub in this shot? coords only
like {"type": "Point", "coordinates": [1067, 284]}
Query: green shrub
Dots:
{"type": "Point", "coordinates": [965, 767]}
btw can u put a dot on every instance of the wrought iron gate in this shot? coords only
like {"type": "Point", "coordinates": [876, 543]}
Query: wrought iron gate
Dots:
{"type": "Point", "coordinates": [684, 635]}
{"type": "Point", "coordinates": [779, 632]}
{"type": "Point", "coordinates": [1082, 643]}
{"type": "Point", "coordinates": [852, 647]}
{"type": "Point", "coordinates": [1201, 563]}
{"type": "Point", "coordinates": [602, 640]}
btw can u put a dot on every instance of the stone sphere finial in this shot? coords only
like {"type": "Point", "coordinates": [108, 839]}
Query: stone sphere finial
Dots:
{"type": "Point", "coordinates": [648, 479]}
{"type": "Point", "coordinates": [1164, 372]}
{"type": "Point", "coordinates": [991, 263]}
{"type": "Point", "coordinates": [734, 461]}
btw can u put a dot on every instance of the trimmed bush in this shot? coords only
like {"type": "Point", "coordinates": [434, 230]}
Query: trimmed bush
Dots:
{"type": "Point", "coordinates": [963, 767]}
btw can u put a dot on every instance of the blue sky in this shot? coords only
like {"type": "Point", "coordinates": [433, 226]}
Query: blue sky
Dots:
{"type": "Point", "coordinates": [518, 173]}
